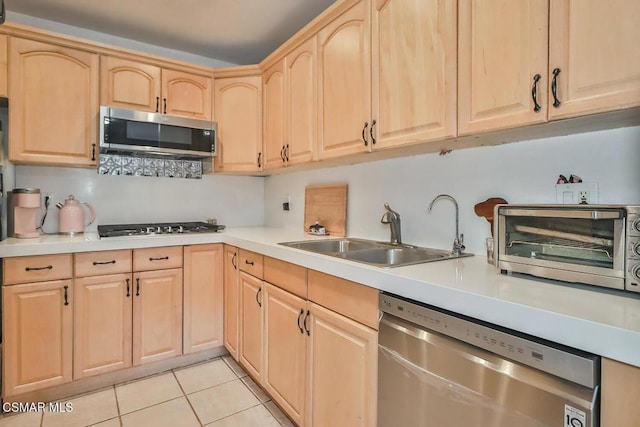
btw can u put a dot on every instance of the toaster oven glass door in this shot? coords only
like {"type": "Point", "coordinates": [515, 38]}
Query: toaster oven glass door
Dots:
{"type": "Point", "coordinates": [586, 240]}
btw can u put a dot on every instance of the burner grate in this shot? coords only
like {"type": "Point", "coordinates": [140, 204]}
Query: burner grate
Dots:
{"type": "Point", "coordinates": [149, 229]}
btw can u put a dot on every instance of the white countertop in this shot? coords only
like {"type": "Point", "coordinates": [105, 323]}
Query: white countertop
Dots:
{"type": "Point", "coordinates": [588, 318]}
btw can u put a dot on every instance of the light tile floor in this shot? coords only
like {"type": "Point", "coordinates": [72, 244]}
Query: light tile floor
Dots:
{"type": "Point", "coordinates": [216, 393]}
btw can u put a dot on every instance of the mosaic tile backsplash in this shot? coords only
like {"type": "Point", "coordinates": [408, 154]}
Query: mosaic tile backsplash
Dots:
{"type": "Point", "coordinates": [112, 164]}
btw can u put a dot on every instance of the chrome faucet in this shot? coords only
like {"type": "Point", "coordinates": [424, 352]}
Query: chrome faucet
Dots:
{"type": "Point", "coordinates": [392, 218]}
{"type": "Point", "coordinates": [458, 246]}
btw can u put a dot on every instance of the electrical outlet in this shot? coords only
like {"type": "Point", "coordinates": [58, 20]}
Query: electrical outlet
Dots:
{"type": "Point", "coordinates": [580, 193]}
{"type": "Point", "coordinates": [286, 204]}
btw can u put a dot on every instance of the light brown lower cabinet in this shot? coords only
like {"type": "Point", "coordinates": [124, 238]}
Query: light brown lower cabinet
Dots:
{"type": "Point", "coordinates": [231, 300]}
{"type": "Point", "coordinates": [157, 315]}
{"type": "Point", "coordinates": [318, 362]}
{"type": "Point", "coordinates": [102, 324]}
{"type": "Point", "coordinates": [251, 321]}
{"type": "Point", "coordinates": [342, 371]}
{"type": "Point", "coordinates": [285, 348]}
{"type": "Point", "coordinates": [620, 389]}
{"type": "Point", "coordinates": [37, 331]}
{"type": "Point", "coordinates": [203, 297]}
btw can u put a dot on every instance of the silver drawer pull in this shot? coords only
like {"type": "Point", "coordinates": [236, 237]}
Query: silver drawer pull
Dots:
{"type": "Point", "coordinates": [164, 258]}
{"type": "Point", "coordinates": [113, 261]}
{"type": "Point", "coordinates": [48, 267]}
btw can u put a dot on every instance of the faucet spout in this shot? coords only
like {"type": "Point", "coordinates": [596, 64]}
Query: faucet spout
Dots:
{"type": "Point", "coordinates": [458, 246]}
{"type": "Point", "coordinates": [392, 218]}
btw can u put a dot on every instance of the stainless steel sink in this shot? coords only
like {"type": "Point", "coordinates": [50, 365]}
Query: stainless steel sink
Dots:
{"type": "Point", "coordinates": [391, 257]}
{"type": "Point", "coordinates": [334, 246]}
{"type": "Point", "coordinates": [380, 254]}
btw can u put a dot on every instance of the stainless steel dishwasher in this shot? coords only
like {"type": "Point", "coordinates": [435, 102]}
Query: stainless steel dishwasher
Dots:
{"type": "Point", "coordinates": [440, 369]}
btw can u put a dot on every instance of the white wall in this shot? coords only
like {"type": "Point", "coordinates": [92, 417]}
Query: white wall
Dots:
{"type": "Point", "coordinates": [233, 200]}
{"type": "Point", "coordinates": [523, 172]}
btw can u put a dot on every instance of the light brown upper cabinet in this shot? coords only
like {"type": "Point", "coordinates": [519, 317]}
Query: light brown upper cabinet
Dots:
{"type": "Point", "coordinates": [502, 63]}
{"type": "Point", "coordinates": [531, 61]}
{"type": "Point", "coordinates": [301, 90]}
{"type": "Point", "coordinates": [594, 48]}
{"type": "Point", "coordinates": [238, 111]}
{"type": "Point", "coordinates": [344, 79]}
{"type": "Point", "coordinates": [273, 91]}
{"type": "Point", "coordinates": [414, 71]}
{"type": "Point", "coordinates": [388, 82]}
{"type": "Point", "coordinates": [290, 108]}
{"type": "Point", "coordinates": [137, 86]}
{"type": "Point", "coordinates": [54, 104]}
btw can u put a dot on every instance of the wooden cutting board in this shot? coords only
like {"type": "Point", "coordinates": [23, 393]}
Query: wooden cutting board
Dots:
{"type": "Point", "coordinates": [327, 205]}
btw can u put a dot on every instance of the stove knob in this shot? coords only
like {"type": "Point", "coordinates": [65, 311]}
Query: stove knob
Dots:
{"type": "Point", "coordinates": [180, 229]}
{"type": "Point", "coordinates": [158, 230]}
{"type": "Point", "coordinates": [169, 229]}
{"type": "Point", "coordinates": [150, 230]}
{"type": "Point", "coordinates": [636, 224]}
{"type": "Point", "coordinates": [636, 248]}
{"type": "Point", "coordinates": [636, 271]}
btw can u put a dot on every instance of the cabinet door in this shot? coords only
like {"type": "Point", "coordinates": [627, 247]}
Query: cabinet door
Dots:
{"type": "Point", "coordinates": [157, 315]}
{"type": "Point", "coordinates": [54, 104]}
{"type": "Point", "coordinates": [502, 46]}
{"type": "Point", "coordinates": [238, 111]}
{"type": "Point", "coordinates": [129, 84]}
{"type": "Point", "coordinates": [185, 94]}
{"type": "Point", "coordinates": [302, 102]}
{"type": "Point", "coordinates": [342, 376]}
{"type": "Point", "coordinates": [620, 387]}
{"type": "Point", "coordinates": [251, 324]}
{"type": "Point", "coordinates": [203, 302]}
{"type": "Point", "coordinates": [285, 350]}
{"type": "Point", "coordinates": [231, 300]}
{"type": "Point", "coordinates": [37, 330]}
{"type": "Point", "coordinates": [414, 45]}
{"type": "Point", "coordinates": [344, 64]}
{"type": "Point", "coordinates": [594, 45]}
{"type": "Point", "coordinates": [274, 117]}
{"type": "Point", "coordinates": [102, 326]}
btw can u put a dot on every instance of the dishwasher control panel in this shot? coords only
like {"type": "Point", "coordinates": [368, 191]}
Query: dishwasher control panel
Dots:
{"type": "Point", "coordinates": [582, 369]}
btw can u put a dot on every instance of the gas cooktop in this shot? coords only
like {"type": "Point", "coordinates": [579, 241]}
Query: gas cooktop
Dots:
{"type": "Point", "coordinates": [151, 229]}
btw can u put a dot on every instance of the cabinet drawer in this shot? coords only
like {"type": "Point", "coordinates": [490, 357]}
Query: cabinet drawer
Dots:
{"type": "Point", "coordinates": [42, 268]}
{"type": "Point", "coordinates": [104, 262]}
{"type": "Point", "coordinates": [251, 262]}
{"type": "Point", "coordinates": [351, 299]}
{"type": "Point", "coordinates": [290, 277]}
{"type": "Point", "coordinates": [157, 258]}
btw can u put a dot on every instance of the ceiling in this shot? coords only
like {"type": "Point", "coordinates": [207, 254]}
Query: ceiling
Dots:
{"type": "Point", "coordinates": [236, 31]}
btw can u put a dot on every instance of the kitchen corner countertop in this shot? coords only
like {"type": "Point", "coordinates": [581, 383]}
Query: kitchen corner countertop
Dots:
{"type": "Point", "coordinates": [597, 321]}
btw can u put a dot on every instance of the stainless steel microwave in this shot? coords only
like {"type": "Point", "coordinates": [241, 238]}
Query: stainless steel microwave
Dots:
{"type": "Point", "coordinates": [130, 131]}
{"type": "Point", "coordinates": [593, 244]}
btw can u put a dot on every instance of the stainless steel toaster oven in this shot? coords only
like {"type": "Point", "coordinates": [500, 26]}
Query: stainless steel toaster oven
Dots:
{"type": "Point", "coordinates": [593, 244]}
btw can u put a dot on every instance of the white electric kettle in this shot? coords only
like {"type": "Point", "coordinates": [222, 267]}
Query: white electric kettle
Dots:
{"type": "Point", "coordinates": [71, 217]}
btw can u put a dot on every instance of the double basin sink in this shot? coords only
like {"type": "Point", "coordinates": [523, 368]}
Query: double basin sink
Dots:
{"type": "Point", "coordinates": [380, 254]}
